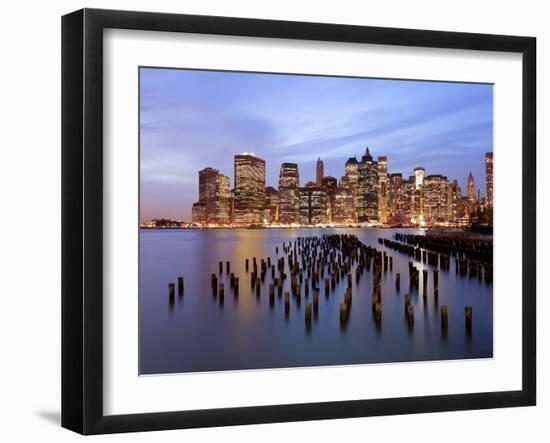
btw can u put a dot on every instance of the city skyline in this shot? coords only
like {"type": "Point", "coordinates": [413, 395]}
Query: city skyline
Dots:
{"type": "Point", "coordinates": [365, 194]}
{"type": "Point", "coordinates": [444, 127]}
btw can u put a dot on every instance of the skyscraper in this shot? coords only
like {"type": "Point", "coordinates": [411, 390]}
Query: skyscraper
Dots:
{"type": "Point", "coordinates": [489, 178]}
{"type": "Point", "coordinates": [313, 205]}
{"type": "Point", "coordinates": [249, 188]}
{"type": "Point", "coordinates": [320, 171]}
{"type": "Point", "coordinates": [367, 189]}
{"type": "Point", "coordinates": [221, 215]}
{"type": "Point", "coordinates": [271, 209]}
{"type": "Point", "coordinates": [471, 189]}
{"type": "Point", "coordinates": [382, 189]}
{"type": "Point", "coordinates": [329, 185]}
{"type": "Point", "coordinates": [437, 204]}
{"type": "Point", "coordinates": [289, 194]}
{"type": "Point", "coordinates": [419, 174]}
{"type": "Point", "coordinates": [207, 191]}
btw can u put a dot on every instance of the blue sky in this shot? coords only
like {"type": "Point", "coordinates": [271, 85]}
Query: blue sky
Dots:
{"type": "Point", "coordinates": [193, 119]}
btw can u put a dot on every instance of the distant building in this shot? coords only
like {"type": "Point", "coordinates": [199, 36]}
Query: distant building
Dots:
{"type": "Point", "coordinates": [198, 213]}
{"type": "Point", "coordinates": [382, 189]}
{"type": "Point", "coordinates": [343, 207]}
{"type": "Point", "coordinates": [329, 185]}
{"type": "Point", "coordinates": [213, 206]}
{"type": "Point", "coordinates": [367, 189]}
{"type": "Point", "coordinates": [271, 208]}
{"type": "Point", "coordinates": [437, 199]}
{"type": "Point", "coordinates": [319, 171]}
{"type": "Point", "coordinates": [471, 188]}
{"type": "Point", "coordinates": [249, 189]}
{"type": "Point", "coordinates": [419, 174]}
{"type": "Point", "coordinates": [313, 205]}
{"type": "Point", "coordinates": [289, 193]}
{"type": "Point", "coordinates": [207, 190]}
{"type": "Point", "coordinates": [489, 179]}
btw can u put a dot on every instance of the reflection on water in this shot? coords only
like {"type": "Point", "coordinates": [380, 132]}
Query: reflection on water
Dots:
{"type": "Point", "coordinates": [197, 331]}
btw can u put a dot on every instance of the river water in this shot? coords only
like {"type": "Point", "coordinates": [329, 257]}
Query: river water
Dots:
{"type": "Point", "coordinates": [196, 333]}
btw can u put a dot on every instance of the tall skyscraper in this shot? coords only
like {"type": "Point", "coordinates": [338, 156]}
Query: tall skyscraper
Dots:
{"type": "Point", "coordinates": [436, 199]}
{"type": "Point", "coordinates": [313, 205]}
{"type": "Point", "coordinates": [207, 190]}
{"type": "Point", "coordinates": [489, 178]}
{"type": "Point", "coordinates": [320, 171]}
{"type": "Point", "coordinates": [249, 188]}
{"type": "Point", "coordinates": [367, 189]}
{"type": "Point", "coordinates": [471, 189]}
{"type": "Point", "coordinates": [289, 193]}
{"type": "Point", "coordinates": [382, 189]}
{"type": "Point", "coordinates": [329, 185]}
{"type": "Point", "coordinates": [419, 174]}
{"type": "Point", "coordinates": [222, 199]}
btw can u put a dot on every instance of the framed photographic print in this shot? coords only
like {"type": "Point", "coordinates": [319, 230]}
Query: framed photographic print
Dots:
{"type": "Point", "coordinates": [270, 221]}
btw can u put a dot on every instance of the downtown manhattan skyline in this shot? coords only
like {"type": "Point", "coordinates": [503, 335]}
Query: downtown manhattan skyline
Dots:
{"type": "Point", "coordinates": [190, 120]}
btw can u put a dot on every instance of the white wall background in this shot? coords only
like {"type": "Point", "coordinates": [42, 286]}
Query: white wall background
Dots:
{"type": "Point", "coordinates": [30, 217]}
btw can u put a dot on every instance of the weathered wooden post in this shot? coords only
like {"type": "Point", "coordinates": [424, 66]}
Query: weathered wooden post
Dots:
{"type": "Point", "coordinates": [231, 280]}
{"type": "Point", "coordinates": [171, 290]}
{"type": "Point", "coordinates": [287, 301]}
{"type": "Point", "coordinates": [468, 317]}
{"type": "Point", "coordinates": [343, 313]}
{"type": "Point", "coordinates": [308, 313]}
{"type": "Point", "coordinates": [347, 298]}
{"type": "Point", "coordinates": [444, 317]}
{"type": "Point", "coordinates": [327, 289]}
{"type": "Point", "coordinates": [227, 267]}
{"type": "Point", "coordinates": [220, 266]}
{"type": "Point", "coordinates": [246, 265]}
{"type": "Point", "coordinates": [377, 312]}
{"type": "Point", "coordinates": [398, 282]}
{"type": "Point", "coordinates": [180, 285]}
{"type": "Point", "coordinates": [258, 286]}
{"type": "Point", "coordinates": [236, 285]}
{"type": "Point", "coordinates": [214, 283]}
{"type": "Point", "coordinates": [220, 292]}
{"type": "Point", "coordinates": [316, 302]}
{"type": "Point", "coordinates": [410, 314]}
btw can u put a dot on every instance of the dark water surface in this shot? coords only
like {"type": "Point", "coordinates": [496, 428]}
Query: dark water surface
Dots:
{"type": "Point", "coordinates": [196, 333]}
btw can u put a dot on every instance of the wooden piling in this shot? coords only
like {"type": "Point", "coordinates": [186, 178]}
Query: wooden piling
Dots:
{"type": "Point", "coordinates": [343, 312]}
{"type": "Point", "coordinates": [308, 313]}
{"type": "Point", "coordinates": [377, 312]}
{"type": "Point", "coordinates": [444, 317]}
{"type": "Point", "coordinates": [171, 290]}
{"type": "Point", "coordinates": [397, 281]}
{"type": "Point", "coordinates": [468, 317]}
{"type": "Point", "coordinates": [180, 285]}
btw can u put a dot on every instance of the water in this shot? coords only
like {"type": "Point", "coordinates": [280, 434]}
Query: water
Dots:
{"type": "Point", "coordinates": [196, 333]}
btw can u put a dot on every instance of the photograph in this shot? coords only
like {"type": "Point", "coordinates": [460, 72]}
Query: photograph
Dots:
{"type": "Point", "coordinates": [294, 220]}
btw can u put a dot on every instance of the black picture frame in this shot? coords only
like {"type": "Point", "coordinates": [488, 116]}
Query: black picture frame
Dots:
{"type": "Point", "coordinates": [82, 218]}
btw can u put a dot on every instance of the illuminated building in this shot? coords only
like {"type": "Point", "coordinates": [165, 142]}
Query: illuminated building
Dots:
{"type": "Point", "coordinates": [313, 205]}
{"type": "Point", "coordinates": [437, 199]}
{"type": "Point", "coordinates": [320, 171]}
{"type": "Point", "coordinates": [367, 189]}
{"type": "Point", "coordinates": [382, 189]}
{"type": "Point", "coordinates": [395, 191]}
{"type": "Point", "coordinates": [471, 188]}
{"type": "Point", "coordinates": [207, 190]}
{"type": "Point", "coordinates": [329, 185]}
{"type": "Point", "coordinates": [249, 188]}
{"type": "Point", "coordinates": [343, 208]}
{"type": "Point", "coordinates": [419, 174]}
{"type": "Point", "coordinates": [271, 214]}
{"type": "Point", "coordinates": [289, 193]}
{"type": "Point", "coordinates": [489, 178]}
{"type": "Point", "coordinates": [222, 200]}
{"type": "Point", "coordinates": [198, 213]}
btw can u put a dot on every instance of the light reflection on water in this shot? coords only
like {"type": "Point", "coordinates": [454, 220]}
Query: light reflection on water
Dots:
{"type": "Point", "coordinates": [196, 333]}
